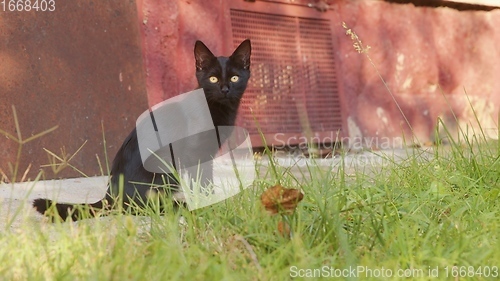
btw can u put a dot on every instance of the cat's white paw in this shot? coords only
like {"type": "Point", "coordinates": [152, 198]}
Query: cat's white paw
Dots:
{"type": "Point", "coordinates": [179, 197]}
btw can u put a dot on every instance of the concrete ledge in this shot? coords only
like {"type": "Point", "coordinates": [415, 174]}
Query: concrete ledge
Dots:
{"type": "Point", "coordinates": [76, 190]}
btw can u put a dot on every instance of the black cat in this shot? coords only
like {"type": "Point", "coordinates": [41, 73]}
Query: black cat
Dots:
{"type": "Point", "coordinates": [224, 80]}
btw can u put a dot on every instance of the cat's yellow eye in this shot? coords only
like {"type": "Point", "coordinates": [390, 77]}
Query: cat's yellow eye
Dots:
{"type": "Point", "coordinates": [235, 78]}
{"type": "Point", "coordinates": [213, 79]}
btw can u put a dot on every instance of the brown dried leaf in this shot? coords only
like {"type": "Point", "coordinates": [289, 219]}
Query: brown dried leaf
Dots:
{"type": "Point", "coordinates": [279, 198]}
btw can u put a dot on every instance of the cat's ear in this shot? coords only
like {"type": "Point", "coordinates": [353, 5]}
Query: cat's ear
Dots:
{"type": "Point", "coordinates": [202, 55]}
{"type": "Point", "coordinates": [242, 54]}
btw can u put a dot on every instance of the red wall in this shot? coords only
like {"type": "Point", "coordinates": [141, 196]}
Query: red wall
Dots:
{"type": "Point", "coordinates": [428, 58]}
{"type": "Point", "coordinates": [77, 68]}
{"type": "Point", "coordinates": [81, 66]}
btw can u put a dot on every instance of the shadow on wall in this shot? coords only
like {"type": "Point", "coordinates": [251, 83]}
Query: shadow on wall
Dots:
{"type": "Point", "coordinates": [75, 67]}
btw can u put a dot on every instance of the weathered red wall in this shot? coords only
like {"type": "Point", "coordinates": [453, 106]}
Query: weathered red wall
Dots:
{"type": "Point", "coordinates": [75, 68]}
{"type": "Point", "coordinates": [428, 57]}
{"type": "Point", "coordinates": [82, 65]}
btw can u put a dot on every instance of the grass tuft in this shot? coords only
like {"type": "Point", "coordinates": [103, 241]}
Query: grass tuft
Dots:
{"type": "Point", "coordinates": [431, 210]}
{"type": "Point", "coordinates": [432, 214]}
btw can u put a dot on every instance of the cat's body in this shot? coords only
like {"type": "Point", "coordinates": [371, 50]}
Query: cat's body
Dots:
{"type": "Point", "coordinates": [224, 80]}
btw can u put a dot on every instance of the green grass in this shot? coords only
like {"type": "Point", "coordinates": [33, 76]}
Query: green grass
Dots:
{"type": "Point", "coordinates": [416, 215]}
{"type": "Point", "coordinates": [430, 217]}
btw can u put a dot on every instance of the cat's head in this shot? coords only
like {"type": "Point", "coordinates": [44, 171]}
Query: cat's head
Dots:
{"type": "Point", "coordinates": [224, 79]}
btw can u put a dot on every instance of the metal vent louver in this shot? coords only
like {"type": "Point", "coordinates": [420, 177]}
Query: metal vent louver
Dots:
{"type": "Point", "coordinates": [293, 74]}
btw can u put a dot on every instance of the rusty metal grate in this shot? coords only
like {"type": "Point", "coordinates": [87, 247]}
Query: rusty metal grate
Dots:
{"type": "Point", "coordinates": [293, 74]}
